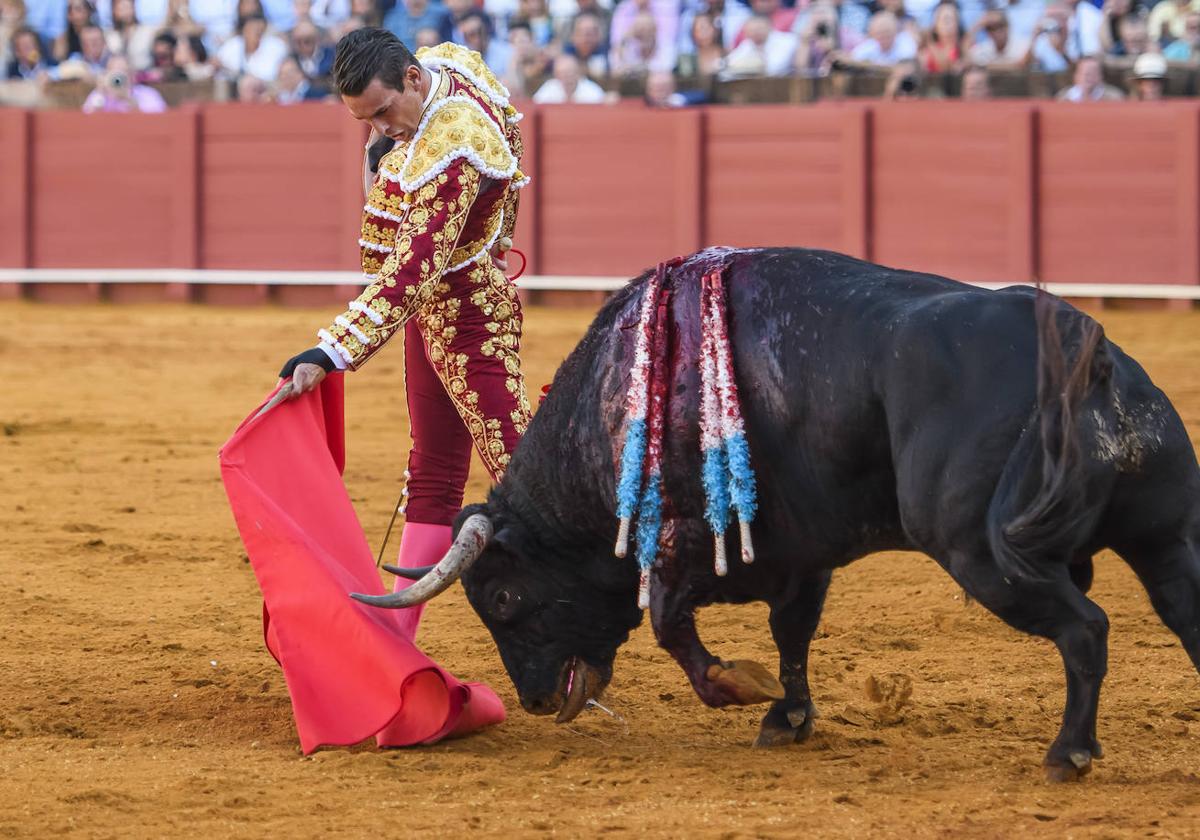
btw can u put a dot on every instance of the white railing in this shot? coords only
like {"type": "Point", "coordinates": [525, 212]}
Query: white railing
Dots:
{"type": "Point", "coordinates": [202, 277]}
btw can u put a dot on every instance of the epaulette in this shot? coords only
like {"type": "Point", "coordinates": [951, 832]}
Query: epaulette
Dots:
{"type": "Point", "coordinates": [455, 127]}
{"type": "Point", "coordinates": [469, 64]}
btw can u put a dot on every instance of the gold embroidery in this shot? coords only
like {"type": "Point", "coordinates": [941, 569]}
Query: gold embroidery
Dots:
{"type": "Point", "coordinates": [455, 129]}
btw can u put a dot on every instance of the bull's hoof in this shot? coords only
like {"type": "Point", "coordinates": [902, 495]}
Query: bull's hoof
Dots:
{"type": "Point", "coordinates": [745, 682]}
{"type": "Point", "coordinates": [1078, 764]}
{"type": "Point", "coordinates": [788, 722]}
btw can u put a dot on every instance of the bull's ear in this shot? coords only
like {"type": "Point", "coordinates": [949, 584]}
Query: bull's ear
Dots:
{"type": "Point", "coordinates": [504, 539]}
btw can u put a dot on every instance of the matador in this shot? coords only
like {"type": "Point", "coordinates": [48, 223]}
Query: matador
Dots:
{"type": "Point", "coordinates": [439, 214]}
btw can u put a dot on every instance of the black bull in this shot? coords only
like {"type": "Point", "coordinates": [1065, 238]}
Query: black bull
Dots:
{"type": "Point", "coordinates": [998, 432]}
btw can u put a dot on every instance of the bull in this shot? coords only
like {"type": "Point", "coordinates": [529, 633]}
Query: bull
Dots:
{"type": "Point", "coordinates": [999, 432]}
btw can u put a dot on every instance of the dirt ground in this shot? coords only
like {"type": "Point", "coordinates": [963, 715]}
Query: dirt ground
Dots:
{"type": "Point", "coordinates": [137, 698]}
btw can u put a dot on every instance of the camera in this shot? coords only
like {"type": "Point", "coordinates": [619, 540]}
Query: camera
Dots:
{"type": "Point", "coordinates": [1050, 26]}
{"type": "Point", "coordinates": [118, 81]}
{"type": "Point", "coordinates": [822, 30]}
{"type": "Point", "coordinates": [907, 85]}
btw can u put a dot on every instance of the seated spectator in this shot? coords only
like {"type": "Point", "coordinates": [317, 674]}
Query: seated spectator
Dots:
{"type": "Point", "coordinates": [526, 63]}
{"type": "Point", "coordinates": [476, 30]}
{"type": "Point", "coordinates": [28, 58]}
{"type": "Point", "coordinates": [162, 63]}
{"type": "Point", "coordinates": [253, 51]}
{"type": "Point", "coordinates": [638, 52]}
{"type": "Point", "coordinates": [763, 52]}
{"type": "Point", "coordinates": [976, 84]}
{"type": "Point", "coordinates": [569, 85]}
{"type": "Point", "coordinates": [427, 36]}
{"type": "Point", "coordinates": [707, 55]}
{"type": "Point", "coordinates": [600, 9]}
{"type": "Point", "coordinates": [1149, 77]}
{"type": "Point", "coordinates": [942, 52]}
{"type": "Point", "coordinates": [666, 29]}
{"type": "Point", "coordinates": [1083, 29]}
{"type": "Point", "coordinates": [1048, 51]}
{"type": "Point", "coordinates": [91, 60]}
{"type": "Point", "coordinates": [128, 37]}
{"type": "Point", "coordinates": [12, 18]}
{"type": "Point", "coordinates": [661, 92]}
{"type": "Point", "coordinates": [293, 86]}
{"type": "Point", "coordinates": [80, 14]}
{"type": "Point", "coordinates": [1166, 21]}
{"type": "Point", "coordinates": [818, 40]}
{"type": "Point", "coordinates": [407, 17]}
{"type": "Point", "coordinates": [1186, 48]}
{"type": "Point", "coordinates": [782, 19]}
{"type": "Point", "coordinates": [116, 93]}
{"type": "Point", "coordinates": [313, 51]}
{"type": "Point", "coordinates": [1133, 38]}
{"type": "Point", "coordinates": [192, 58]}
{"type": "Point", "coordinates": [997, 48]}
{"type": "Point", "coordinates": [904, 20]}
{"type": "Point", "coordinates": [1089, 84]}
{"type": "Point", "coordinates": [886, 45]}
{"type": "Point", "coordinates": [586, 42]}
{"type": "Point", "coordinates": [253, 90]}
{"type": "Point", "coordinates": [535, 15]}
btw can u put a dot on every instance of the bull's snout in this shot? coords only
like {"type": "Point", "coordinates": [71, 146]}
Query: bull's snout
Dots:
{"type": "Point", "coordinates": [540, 705]}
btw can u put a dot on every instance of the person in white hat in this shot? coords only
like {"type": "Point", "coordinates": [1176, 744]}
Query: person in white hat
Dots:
{"type": "Point", "coordinates": [1149, 77]}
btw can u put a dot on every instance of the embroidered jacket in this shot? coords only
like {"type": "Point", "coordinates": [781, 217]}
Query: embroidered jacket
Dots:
{"type": "Point", "coordinates": [439, 203]}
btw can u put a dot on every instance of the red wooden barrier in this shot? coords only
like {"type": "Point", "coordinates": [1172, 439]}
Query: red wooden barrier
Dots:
{"type": "Point", "coordinates": [619, 188]}
{"type": "Point", "coordinates": [953, 189]}
{"type": "Point", "coordinates": [14, 197]}
{"type": "Point", "coordinates": [1120, 193]}
{"type": "Point", "coordinates": [780, 175]}
{"type": "Point", "coordinates": [1004, 191]}
{"type": "Point", "coordinates": [279, 185]}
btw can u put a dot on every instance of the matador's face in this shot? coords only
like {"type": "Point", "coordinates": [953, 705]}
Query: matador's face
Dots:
{"type": "Point", "coordinates": [392, 113]}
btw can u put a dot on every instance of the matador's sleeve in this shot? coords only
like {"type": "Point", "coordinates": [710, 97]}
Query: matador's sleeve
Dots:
{"type": "Point", "coordinates": [425, 238]}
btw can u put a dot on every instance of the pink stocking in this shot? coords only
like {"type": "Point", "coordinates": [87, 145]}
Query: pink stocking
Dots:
{"type": "Point", "coordinates": [420, 545]}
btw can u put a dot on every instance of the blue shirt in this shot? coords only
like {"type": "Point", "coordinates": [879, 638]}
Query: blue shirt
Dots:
{"type": "Point", "coordinates": [405, 27]}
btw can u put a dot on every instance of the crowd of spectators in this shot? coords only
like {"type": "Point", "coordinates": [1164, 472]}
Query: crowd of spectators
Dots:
{"type": "Point", "coordinates": [582, 50]}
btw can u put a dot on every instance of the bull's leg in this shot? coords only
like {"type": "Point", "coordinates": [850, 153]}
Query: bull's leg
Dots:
{"type": "Point", "coordinates": [1057, 610]}
{"type": "Point", "coordinates": [793, 623]}
{"type": "Point", "coordinates": [717, 683]}
{"type": "Point", "coordinates": [1172, 579]}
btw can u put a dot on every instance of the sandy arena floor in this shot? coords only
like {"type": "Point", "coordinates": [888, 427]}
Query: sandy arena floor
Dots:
{"type": "Point", "coordinates": [137, 698]}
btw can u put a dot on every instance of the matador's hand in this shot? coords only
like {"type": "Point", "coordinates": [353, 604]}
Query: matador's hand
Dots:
{"type": "Point", "coordinates": [307, 369]}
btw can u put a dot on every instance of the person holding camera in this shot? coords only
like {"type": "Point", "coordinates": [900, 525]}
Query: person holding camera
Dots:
{"type": "Point", "coordinates": [818, 40]}
{"type": "Point", "coordinates": [1048, 51]}
{"type": "Point", "coordinates": [115, 92]}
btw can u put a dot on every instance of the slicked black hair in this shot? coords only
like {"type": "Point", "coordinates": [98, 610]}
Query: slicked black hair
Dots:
{"type": "Point", "coordinates": [370, 53]}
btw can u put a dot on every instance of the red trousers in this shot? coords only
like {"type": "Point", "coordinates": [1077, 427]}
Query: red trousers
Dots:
{"type": "Point", "coordinates": [464, 387]}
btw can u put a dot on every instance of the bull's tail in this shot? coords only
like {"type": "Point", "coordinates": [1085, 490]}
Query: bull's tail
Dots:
{"type": "Point", "coordinates": [1041, 501]}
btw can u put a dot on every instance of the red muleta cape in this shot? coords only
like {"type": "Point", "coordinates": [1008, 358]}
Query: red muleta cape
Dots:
{"type": "Point", "coordinates": [352, 670]}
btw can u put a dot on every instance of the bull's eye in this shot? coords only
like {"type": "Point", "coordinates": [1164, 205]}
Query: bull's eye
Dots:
{"type": "Point", "coordinates": [505, 604]}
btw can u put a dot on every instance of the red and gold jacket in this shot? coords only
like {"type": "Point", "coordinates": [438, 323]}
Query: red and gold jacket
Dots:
{"type": "Point", "coordinates": [438, 205]}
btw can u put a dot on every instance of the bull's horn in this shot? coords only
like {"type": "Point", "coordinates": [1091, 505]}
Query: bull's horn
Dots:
{"type": "Point", "coordinates": [415, 573]}
{"type": "Point", "coordinates": [468, 545]}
